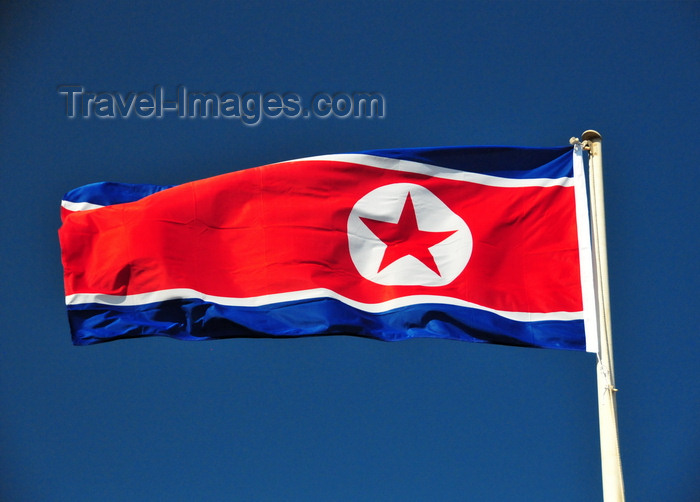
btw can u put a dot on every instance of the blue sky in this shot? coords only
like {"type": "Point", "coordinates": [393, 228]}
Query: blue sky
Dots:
{"type": "Point", "coordinates": [342, 418]}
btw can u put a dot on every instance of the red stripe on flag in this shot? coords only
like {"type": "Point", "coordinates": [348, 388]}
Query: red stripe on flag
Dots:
{"type": "Point", "coordinates": [283, 228]}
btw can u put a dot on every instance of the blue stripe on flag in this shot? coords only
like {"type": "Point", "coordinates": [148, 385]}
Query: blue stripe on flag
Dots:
{"type": "Point", "coordinates": [107, 193]}
{"type": "Point", "coordinates": [195, 319]}
{"type": "Point", "coordinates": [523, 163]}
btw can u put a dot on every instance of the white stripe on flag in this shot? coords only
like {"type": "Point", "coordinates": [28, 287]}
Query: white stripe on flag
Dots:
{"type": "Point", "coordinates": [309, 294]}
{"type": "Point", "coordinates": [437, 171]}
{"type": "Point", "coordinates": [79, 206]}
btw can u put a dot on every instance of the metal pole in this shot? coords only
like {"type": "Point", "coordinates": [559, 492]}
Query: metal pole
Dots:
{"type": "Point", "coordinates": [613, 487]}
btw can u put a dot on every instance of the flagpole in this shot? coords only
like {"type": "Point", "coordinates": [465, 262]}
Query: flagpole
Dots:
{"type": "Point", "coordinates": [613, 486]}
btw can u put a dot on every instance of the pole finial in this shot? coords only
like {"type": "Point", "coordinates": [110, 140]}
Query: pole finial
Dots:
{"type": "Point", "coordinates": [591, 135]}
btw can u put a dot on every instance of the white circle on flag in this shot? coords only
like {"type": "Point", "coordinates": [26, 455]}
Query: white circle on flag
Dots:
{"type": "Point", "coordinates": [447, 238]}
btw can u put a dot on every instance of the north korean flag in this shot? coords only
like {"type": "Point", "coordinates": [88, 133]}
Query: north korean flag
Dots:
{"type": "Point", "coordinates": [483, 244]}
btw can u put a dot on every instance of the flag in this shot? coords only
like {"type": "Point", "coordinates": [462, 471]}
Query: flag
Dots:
{"type": "Point", "coordinates": [482, 244]}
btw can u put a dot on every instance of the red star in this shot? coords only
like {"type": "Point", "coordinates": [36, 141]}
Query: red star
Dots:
{"type": "Point", "coordinates": [405, 238]}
